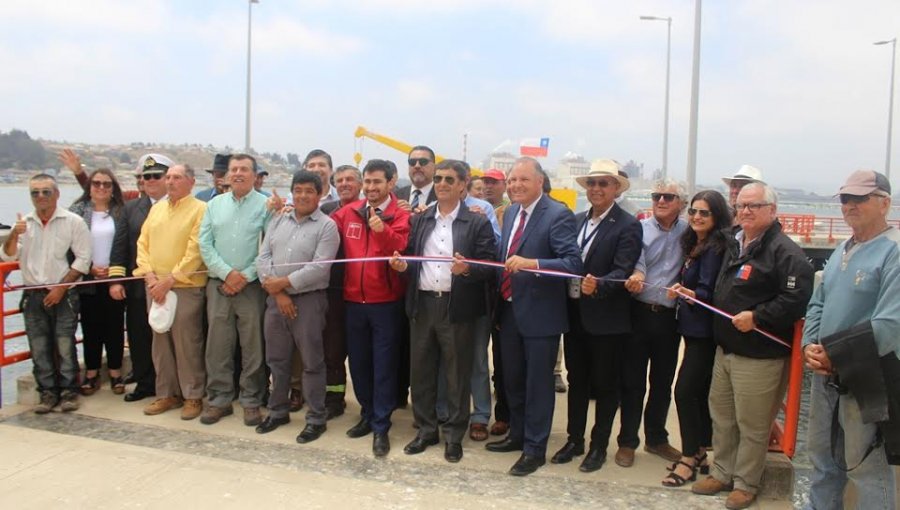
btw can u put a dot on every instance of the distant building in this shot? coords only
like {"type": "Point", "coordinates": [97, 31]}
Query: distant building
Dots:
{"type": "Point", "coordinates": [501, 161]}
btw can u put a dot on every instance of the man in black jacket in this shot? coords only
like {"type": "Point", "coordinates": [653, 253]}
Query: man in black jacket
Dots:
{"type": "Point", "coordinates": [122, 261]}
{"type": "Point", "coordinates": [765, 282]}
{"type": "Point", "coordinates": [442, 301]}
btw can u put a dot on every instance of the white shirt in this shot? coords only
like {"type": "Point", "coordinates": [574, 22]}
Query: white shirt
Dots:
{"type": "Point", "coordinates": [528, 211]}
{"type": "Point", "coordinates": [42, 249]}
{"type": "Point", "coordinates": [436, 276]}
{"type": "Point", "coordinates": [589, 230]}
{"type": "Point", "coordinates": [382, 206]}
{"type": "Point", "coordinates": [103, 230]}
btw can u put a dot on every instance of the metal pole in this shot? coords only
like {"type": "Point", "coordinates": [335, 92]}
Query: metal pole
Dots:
{"type": "Point", "coordinates": [665, 163]}
{"type": "Point", "coordinates": [887, 159]}
{"type": "Point", "coordinates": [695, 93]}
{"type": "Point", "coordinates": [249, 25]}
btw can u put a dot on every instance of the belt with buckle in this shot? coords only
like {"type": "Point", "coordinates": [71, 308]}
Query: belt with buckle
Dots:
{"type": "Point", "coordinates": [437, 294]}
{"type": "Point", "coordinates": [655, 308]}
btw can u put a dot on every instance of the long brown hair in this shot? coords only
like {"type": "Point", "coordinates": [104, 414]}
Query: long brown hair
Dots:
{"type": "Point", "coordinates": [116, 201]}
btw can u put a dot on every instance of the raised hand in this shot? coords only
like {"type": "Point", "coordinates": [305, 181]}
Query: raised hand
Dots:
{"type": "Point", "coordinates": [71, 160]}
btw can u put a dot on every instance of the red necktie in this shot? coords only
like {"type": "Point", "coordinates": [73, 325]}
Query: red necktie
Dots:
{"type": "Point", "coordinates": [505, 281]}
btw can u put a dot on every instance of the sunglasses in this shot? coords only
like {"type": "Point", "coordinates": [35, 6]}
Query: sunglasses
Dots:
{"type": "Point", "coordinates": [855, 199]}
{"type": "Point", "coordinates": [704, 213]}
{"type": "Point", "coordinates": [603, 183]}
{"type": "Point", "coordinates": [41, 193]}
{"type": "Point", "coordinates": [755, 206]}
{"type": "Point", "coordinates": [449, 179]}
{"type": "Point", "coordinates": [665, 197]}
{"type": "Point", "coordinates": [102, 184]}
{"type": "Point", "coordinates": [418, 161]}
{"type": "Point", "coordinates": [153, 177]}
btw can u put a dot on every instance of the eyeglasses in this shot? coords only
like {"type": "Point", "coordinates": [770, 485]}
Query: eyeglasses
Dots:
{"type": "Point", "coordinates": [102, 184]}
{"type": "Point", "coordinates": [418, 161]}
{"type": "Point", "coordinates": [603, 183]}
{"type": "Point", "coordinates": [753, 206]}
{"type": "Point", "coordinates": [153, 177]}
{"type": "Point", "coordinates": [666, 197]}
{"type": "Point", "coordinates": [846, 198]}
{"type": "Point", "coordinates": [449, 179]}
{"type": "Point", "coordinates": [704, 213]}
{"type": "Point", "coordinates": [41, 193]}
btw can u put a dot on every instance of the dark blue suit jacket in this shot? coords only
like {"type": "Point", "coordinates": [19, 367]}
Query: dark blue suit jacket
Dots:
{"type": "Point", "coordinates": [539, 301]}
{"type": "Point", "coordinates": [613, 252]}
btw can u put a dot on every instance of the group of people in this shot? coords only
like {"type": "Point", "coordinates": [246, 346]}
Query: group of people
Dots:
{"type": "Point", "coordinates": [233, 294]}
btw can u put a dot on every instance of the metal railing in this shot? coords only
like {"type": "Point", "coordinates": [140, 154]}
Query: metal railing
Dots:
{"type": "Point", "coordinates": [783, 437]}
{"type": "Point", "coordinates": [6, 268]}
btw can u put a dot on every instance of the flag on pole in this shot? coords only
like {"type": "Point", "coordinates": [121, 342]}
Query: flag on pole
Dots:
{"type": "Point", "coordinates": [534, 147]}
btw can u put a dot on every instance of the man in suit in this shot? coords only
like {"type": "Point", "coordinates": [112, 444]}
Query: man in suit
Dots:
{"type": "Point", "coordinates": [538, 233]}
{"type": "Point", "coordinates": [443, 300]}
{"type": "Point", "coordinates": [420, 193]}
{"type": "Point", "coordinates": [599, 312]}
{"type": "Point", "coordinates": [123, 260]}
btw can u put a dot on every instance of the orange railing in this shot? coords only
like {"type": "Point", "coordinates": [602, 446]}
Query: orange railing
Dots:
{"type": "Point", "coordinates": [783, 437]}
{"type": "Point", "coordinates": [8, 359]}
{"type": "Point", "coordinates": [832, 228]}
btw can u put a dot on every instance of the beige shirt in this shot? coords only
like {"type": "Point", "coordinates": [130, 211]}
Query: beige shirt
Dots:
{"type": "Point", "coordinates": [42, 249]}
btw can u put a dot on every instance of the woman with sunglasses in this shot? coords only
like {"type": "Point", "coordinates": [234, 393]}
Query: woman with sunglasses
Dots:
{"type": "Point", "coordinates": [703, 244]}
{"type": "Point", "coordinates": [102, 318]}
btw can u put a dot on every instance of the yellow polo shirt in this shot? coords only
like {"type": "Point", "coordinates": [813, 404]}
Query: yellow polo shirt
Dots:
{"type": "Point", "coordinates": [169, 242]}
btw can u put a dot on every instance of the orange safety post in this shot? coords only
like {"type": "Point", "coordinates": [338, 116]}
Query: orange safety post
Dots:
{"type": "Point", "coordinates": [784, 437]}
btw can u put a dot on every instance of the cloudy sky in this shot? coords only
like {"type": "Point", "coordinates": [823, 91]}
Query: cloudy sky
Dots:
{"type": "Point", "coordinates": [794, 87]}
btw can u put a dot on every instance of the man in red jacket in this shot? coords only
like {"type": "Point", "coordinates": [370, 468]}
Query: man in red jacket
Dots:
{"type": "Point", "coordinates": [374, 227]}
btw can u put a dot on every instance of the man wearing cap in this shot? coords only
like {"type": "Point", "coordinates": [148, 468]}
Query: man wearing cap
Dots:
{"type": "Point", "coordinates": [860, 283]}
{"type": "Point", "coordinates": [229, 244]}
{"type": "Point", "coordinates": [218, 171]}
{"type": "Point", "coordinates": [655, 338]}
{"type": "Point", "coordinates": [260, 181]}
{"type": "Point", "coordinates": [599, 312]}
{"type": "Point", "coordinates": [168, 257]}
{"type": "Point", "coordinates": [41, 241]}
{"type": "Point", "coordinates": [744, 176]}
{"type": "Point", "coordinates": [495, 191]}
{"type": "Point", "coordinates": [765, 282]}
{"type": "Point", "coordinates": [122, 263]}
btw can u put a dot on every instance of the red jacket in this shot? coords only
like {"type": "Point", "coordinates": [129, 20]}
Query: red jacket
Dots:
{"type": "Point", "coordinates": [372, 282]}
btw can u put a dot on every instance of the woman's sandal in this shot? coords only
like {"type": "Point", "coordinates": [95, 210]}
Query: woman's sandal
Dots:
{"type": "Point", "coordinates": [676, 480]}
{"type": "Point", "coordinates": [117, 384]}
{"type": "Point", "coordinates": [702, 464]}
{"type": "Point", "coordinates": [90, 385]}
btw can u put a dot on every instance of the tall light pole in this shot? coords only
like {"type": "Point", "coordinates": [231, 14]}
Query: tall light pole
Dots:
{"type": "Point", "coordinates": [887, 160]}
{"type": "Point", "coordinates": [665, 158]}
{"type": "Point", "coordinates": [249, 25]}
{"type": "Point", "coordinates": [695, 99]}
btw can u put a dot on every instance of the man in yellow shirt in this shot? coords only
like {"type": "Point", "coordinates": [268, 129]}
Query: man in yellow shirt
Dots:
{"type": "Point", "coordinates": [168, 258]}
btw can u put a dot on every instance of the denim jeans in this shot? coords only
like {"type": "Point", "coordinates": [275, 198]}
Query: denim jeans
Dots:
{"type": "Point", "coordinates": [874, 478]}
{"type": "Point", "coordinates": [51, 337]}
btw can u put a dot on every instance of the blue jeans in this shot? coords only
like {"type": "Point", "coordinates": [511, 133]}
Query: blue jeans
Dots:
{"type": "Point", "coordinates": [481, 378]}
{"type": "Point", "coordinates": [874, 478]}
{"type": "Point", "coordinates": [51, 337]}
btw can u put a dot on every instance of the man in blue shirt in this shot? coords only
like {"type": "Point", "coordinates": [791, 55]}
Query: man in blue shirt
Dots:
{"type": "Point", "coordinates": [218, 171]}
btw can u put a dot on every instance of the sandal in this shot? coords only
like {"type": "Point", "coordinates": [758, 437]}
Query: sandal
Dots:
{"type": "Point", "coordinates": [117, 384]}
{"type": "Point", "coordinates": [702, 464]}
{"type": "Point", "coordinates": [90, 385]}
{"type": "Point", "coordinates": [675, 480]}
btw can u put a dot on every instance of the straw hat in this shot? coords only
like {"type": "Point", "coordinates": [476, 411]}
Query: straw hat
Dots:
{"type": "Point", "coordinates": [745, 173]}
{"type": "Point", "coordinates": [605, 168]}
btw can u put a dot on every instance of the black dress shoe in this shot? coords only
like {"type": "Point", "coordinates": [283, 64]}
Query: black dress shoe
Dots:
{"type": "Point", "coordinates": [360, 429]}
{"type": "Point", "coordinates": [569, 451]}
{"type": "Point", "coordinates": [271, 423]}
{"type": "Point", "coordinates": [453, 452]}
{"type": "Point", "coordinates": [419, 444]}
{"type": "Point", "coordinates": [310, 433]}
{"type": "Point", "coordinates": [129, 379]}
{"type": "Point", "coordinates": [381, 445]}
{"type": "Point", "coordinates": [136, 395]}
{"type": "Point", "coordinates": [593, 461]}
{"type": "Point", "coordinates": [504, 445]}
{"type": "Point", "coordinates": [333, 411]}
{"type": "Point", "coordinates": [526, 465]}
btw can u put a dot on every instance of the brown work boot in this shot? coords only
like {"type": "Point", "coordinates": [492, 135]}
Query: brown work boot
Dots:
{"type": "Point", "coordinates": [192, 408]}
{"type": "Point", "coordinates": [665, 451]}
{"type": "Point", "coordinates": [710, 486]}
{"type": "Point", "coordinates": [625, 456]}
{"type": "Point", "coordinates": [252, 416]}
{"type": "Point", "coordinates": [213, 414]}
{"type": "Point", "coordinates": [739, 499]}
{"type": "Point", "coordinates": [162, 405]}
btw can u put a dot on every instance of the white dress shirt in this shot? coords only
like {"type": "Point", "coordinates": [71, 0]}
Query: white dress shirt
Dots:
{"type": "Point", "coordinates": [436, 276]}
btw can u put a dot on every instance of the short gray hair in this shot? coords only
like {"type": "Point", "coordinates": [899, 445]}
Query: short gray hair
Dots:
{"type": "Point", "coordinates": [664, 184]}
{"type": "Point", "coordinates": [769, 194]}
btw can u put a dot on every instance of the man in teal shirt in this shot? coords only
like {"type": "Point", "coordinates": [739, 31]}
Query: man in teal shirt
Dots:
{"type": "Point", "coordinates": [235, 301]}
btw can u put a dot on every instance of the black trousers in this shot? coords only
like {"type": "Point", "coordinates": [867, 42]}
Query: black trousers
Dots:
{"type": "Point", "coordinates": [655, 341]}
{"type": "Point", "coordinates": [594, 363]}
{"type": "Point", "coordinates": [335, 343]}
{"type": "Point", "coordinates": [501, 408]}
{"type": "Point", "coordinates": [140, 343]}
{"type": "Point", "coordinates": [102, 324]}
{"type": "Point", "coordinates": [692, 394]}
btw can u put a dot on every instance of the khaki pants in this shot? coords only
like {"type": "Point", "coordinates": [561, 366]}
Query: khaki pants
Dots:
{"type": "Point", "coordinates": [178, 354]}
{"type": "Point", "coordinates": [743, 400]}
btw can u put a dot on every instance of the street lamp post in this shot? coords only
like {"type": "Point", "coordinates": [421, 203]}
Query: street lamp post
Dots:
{"type": "Point", "coordinates": [249, 25]}
{"type": "Point", "coordinates": [887, 160]}
{"type": "Point", "coordinates": [665, 158]}
{"type": "Point", "coordinates": [695, 101]}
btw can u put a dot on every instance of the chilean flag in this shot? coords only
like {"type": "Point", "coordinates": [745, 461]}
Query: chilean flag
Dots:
{"type": "Point", "coordinates": [534, 147]}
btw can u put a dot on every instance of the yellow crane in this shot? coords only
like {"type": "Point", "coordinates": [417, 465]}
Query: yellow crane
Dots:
{"type": "Point", "coordinates": [565, 195]}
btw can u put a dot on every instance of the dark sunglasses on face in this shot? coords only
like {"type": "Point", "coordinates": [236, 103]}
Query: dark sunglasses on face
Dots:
{"type": "Point", "coordinates": [418, 161]}
{"type": "Point", "coordinates": [854, 199]}
{"type": "Point", "coordinates": [449, 179]}
{"type": "Point", "coordinates": [153, 177]}
{"type": "Point", "coordinates": [102, 184]}
{"type": "Point", "coordinates": [704, 213]}
{"type": "Point", "coordinates": [41, 193]}
{"type": "Point", "coordinates": [666, 197]}
{"type": "Point", "coordinates": [603, 183]}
